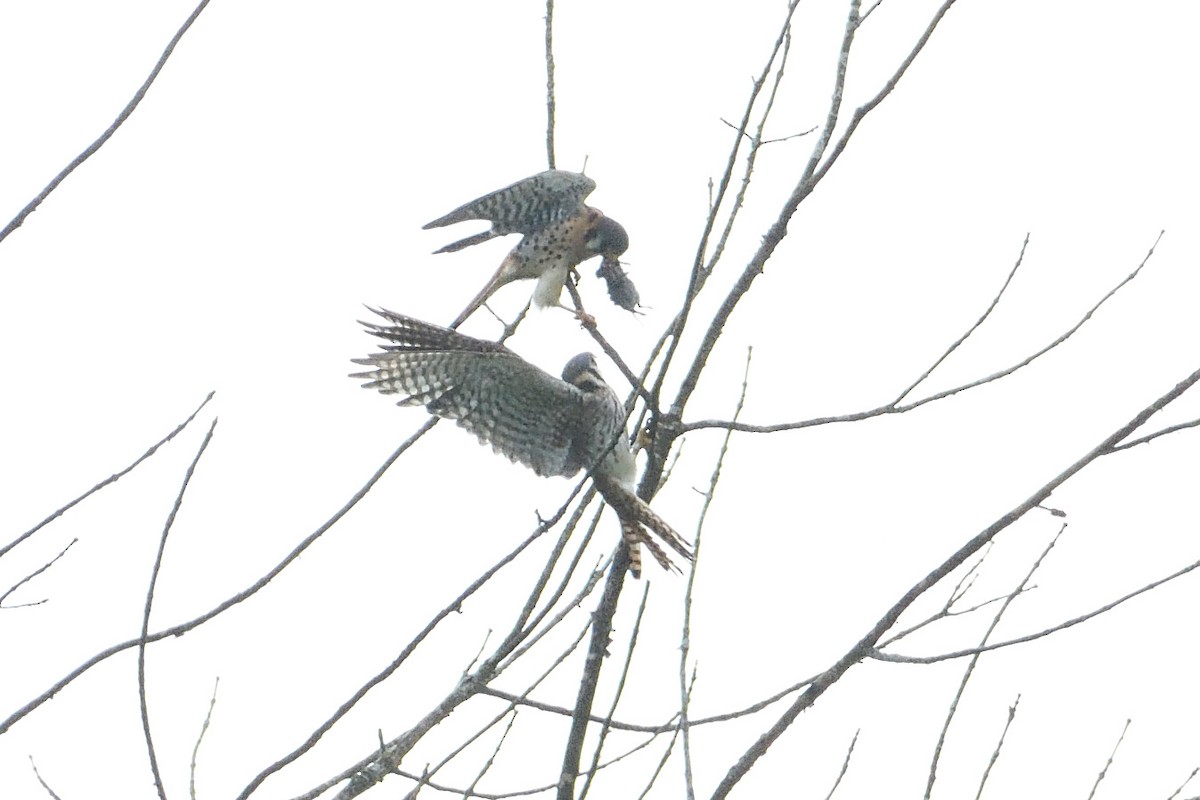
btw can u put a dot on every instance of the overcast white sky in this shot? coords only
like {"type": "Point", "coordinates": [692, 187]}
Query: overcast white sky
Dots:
{"type": "Point", "coordinates": [275, 178]}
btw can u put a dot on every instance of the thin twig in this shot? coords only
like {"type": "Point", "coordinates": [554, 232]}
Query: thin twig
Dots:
{"type": "Point", "coordinates": [666, 754]}
{"type": "Point", "coordinates": [987, 313]}
{"type": "Point", "coordinates": [374, 768]}
{"type": "Point", "coordinates": [756, 143]}
{"type": "Point", "coordinates": [903, 659]}
{"type": "Point", "coordinates": [212, 704]}
{"type": "Point", "coordinates": [371, 770]}
{"type": "Point", "coordinates": [110, 479]}
{"type": "Point", "coordinates": [1012, 712]}
{"type": "Point", "coordinates": [104, 137]}
{"type": "Point", "coordinates": [774, 235]}
{"type": "Point", "coordinates": [487, 765]}
{"type": "Point", "coordinates": [534, 632]}
{"type": "Point", "coordinates": [550, 83]}
{"type": "Point", "coordinates": [892, 408]}
{"type": "Point", "coordinates": [970, 669]}
{"type": "Point", "coordinates": [1152, 436]}
{"type": "Point", "coordinates": [154, 572]}
{"type": "Point", "coordinates": [511, 707]}
{"type": "Point", "coordinates": [528, 791]}
{"type": "Point", "coordinates": [612, 708]}
{"type": "Point", "coordinates": [1183, 785]}
{"type": "Point", "coordinates": [689, 592]}
{"type": "Point", "coordinates": [845, 765]}
{"type": "Point", "coordinates": [669, 341]}
{"type": "Point", "coordinates": [864, 646]}
{"type": "Point", "coordinates": [45, 785]}
{"type": "Point", "coordinates": [33, 575]}
{"type": "Point", "coordinates": [182, 628]}
{"type": "Point", "coordinates": [1107, 764]}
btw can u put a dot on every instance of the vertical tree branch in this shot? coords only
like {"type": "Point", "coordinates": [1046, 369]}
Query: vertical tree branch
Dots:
{"type": "Point", "coordinates": [550, 83]}
{"type": "Point", "coordinates": [141, 661]}
{"type": "Point", "coordinates": [601, 632]}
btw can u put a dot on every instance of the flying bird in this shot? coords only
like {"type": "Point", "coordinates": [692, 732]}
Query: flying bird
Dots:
{"type": "Point", "coordinates": [558, 232]}
{"type": "Point", "coordinates": [554, 426]}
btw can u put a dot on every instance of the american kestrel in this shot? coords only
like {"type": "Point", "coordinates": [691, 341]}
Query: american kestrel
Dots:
{"type": "Point", "coordinates": [558, 233]}
{"type": "Point", "coordinates": [552, 426]}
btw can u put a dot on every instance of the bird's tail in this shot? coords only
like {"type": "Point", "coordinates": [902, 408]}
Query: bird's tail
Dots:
{"type": "Point", "coordinates": [638, 521]}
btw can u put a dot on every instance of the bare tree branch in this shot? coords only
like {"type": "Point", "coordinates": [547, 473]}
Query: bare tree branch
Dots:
{"type": "Point", "coordinates": [671, 336]}
{"type": "Point", "coordinates": [42, 781]}
{"type": "Point", "coordinates": [141, 660]}
{"type": "Point", "coordinates": [601, 633]}
{"type": "Point", "coordinates": [110, 479]}
{"type": "Point", "coordinates": [756, 142]}
{"type": "Point", "coordinates": [845, 766]}
{"type": "Point", "coordinates": [1012, 712]}
{"type": "Point", "coordinates": [182, 628]}
{"type": "Point", "coordinates": [212, 704]}
{"type": "Point", "coordinates": [33, 575]}
{"type": "Point", "coordinates": [368, 771]}
{"type": "Point", "coordinates": [865, 645]}
{"type": "Point", "coordinates": [893, 408]}
{"type": "Point", "coordinates": [1183, 785]}
{"type": "Point", "coordinates": [487, 765]}
{"type": "Point", "coordinates": [104, 137]}
{"type": "Point", "coordinates": [1152, 436]}
{"type": "Point", "coordinates": [970, 669]}
{"type": "Point", "coordinates": [987, 313]}
{"type": "Point", "coordinates": [902, 659]}
{"type": "Point", "coordinates": [550, 83]}
{"type": "Point", "coordinates": [685, 686]}
{"type": "Point", "coordinates": [1107, 764]}
{"type": "Point", "coordinates": [604, 726]}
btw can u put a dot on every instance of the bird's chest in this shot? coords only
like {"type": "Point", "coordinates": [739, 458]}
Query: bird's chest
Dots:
{"type": "Point", "coordinates": [559, 246]}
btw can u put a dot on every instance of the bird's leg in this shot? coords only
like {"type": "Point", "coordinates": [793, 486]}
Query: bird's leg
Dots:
{"type": "Point", "coordinates": [502, 276]}
{"type": "Point", "coordinates": [586, 320]}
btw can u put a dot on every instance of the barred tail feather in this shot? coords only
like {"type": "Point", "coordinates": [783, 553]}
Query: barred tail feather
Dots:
{"type": "Point", "coordinates": [633, 536]}
{"type": "Point", "coordinates": [636, 519]}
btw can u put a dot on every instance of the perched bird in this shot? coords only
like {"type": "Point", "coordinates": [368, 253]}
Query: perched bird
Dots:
{"type": "Point", "coordinates": [558, 233]}
{"type": "Point", "coordinates": [552, 426]}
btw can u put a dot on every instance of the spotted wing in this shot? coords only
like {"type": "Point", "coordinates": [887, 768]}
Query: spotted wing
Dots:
{"type": "Point", "coordinates": [529, 416]}
{"type": "Point", "coordinates": [526, 205]}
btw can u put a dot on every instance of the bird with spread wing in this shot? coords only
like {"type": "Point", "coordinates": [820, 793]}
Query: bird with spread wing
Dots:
{"type": "Point", "coordinates": [554, 426]}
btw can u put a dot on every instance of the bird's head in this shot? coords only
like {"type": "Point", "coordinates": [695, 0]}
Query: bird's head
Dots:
{"type": "Point", "coordinates": [607, 238]}
{"type": "Point", "coordinates": [582, 372]}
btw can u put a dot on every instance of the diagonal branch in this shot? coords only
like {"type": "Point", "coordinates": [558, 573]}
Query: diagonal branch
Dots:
{"type": "Point", "coordinates": [110, 479]}
{"type": "Point", "coordinates": [893, 408]}
{"type": "Point", "coordinates": [970, 669]}
{"type": "Point", "coordinates": [33, 575]}
{"type": "Point", "coordinates": [903, 659]}
{"type": "Point", "coordinates": [182, 628]}
{"type": "Point", "coordinates": [987, 313]}
{"type": "Point", "coordinates": [863, 648]}
{"type": "Point", "coordinates": [19, 219]}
